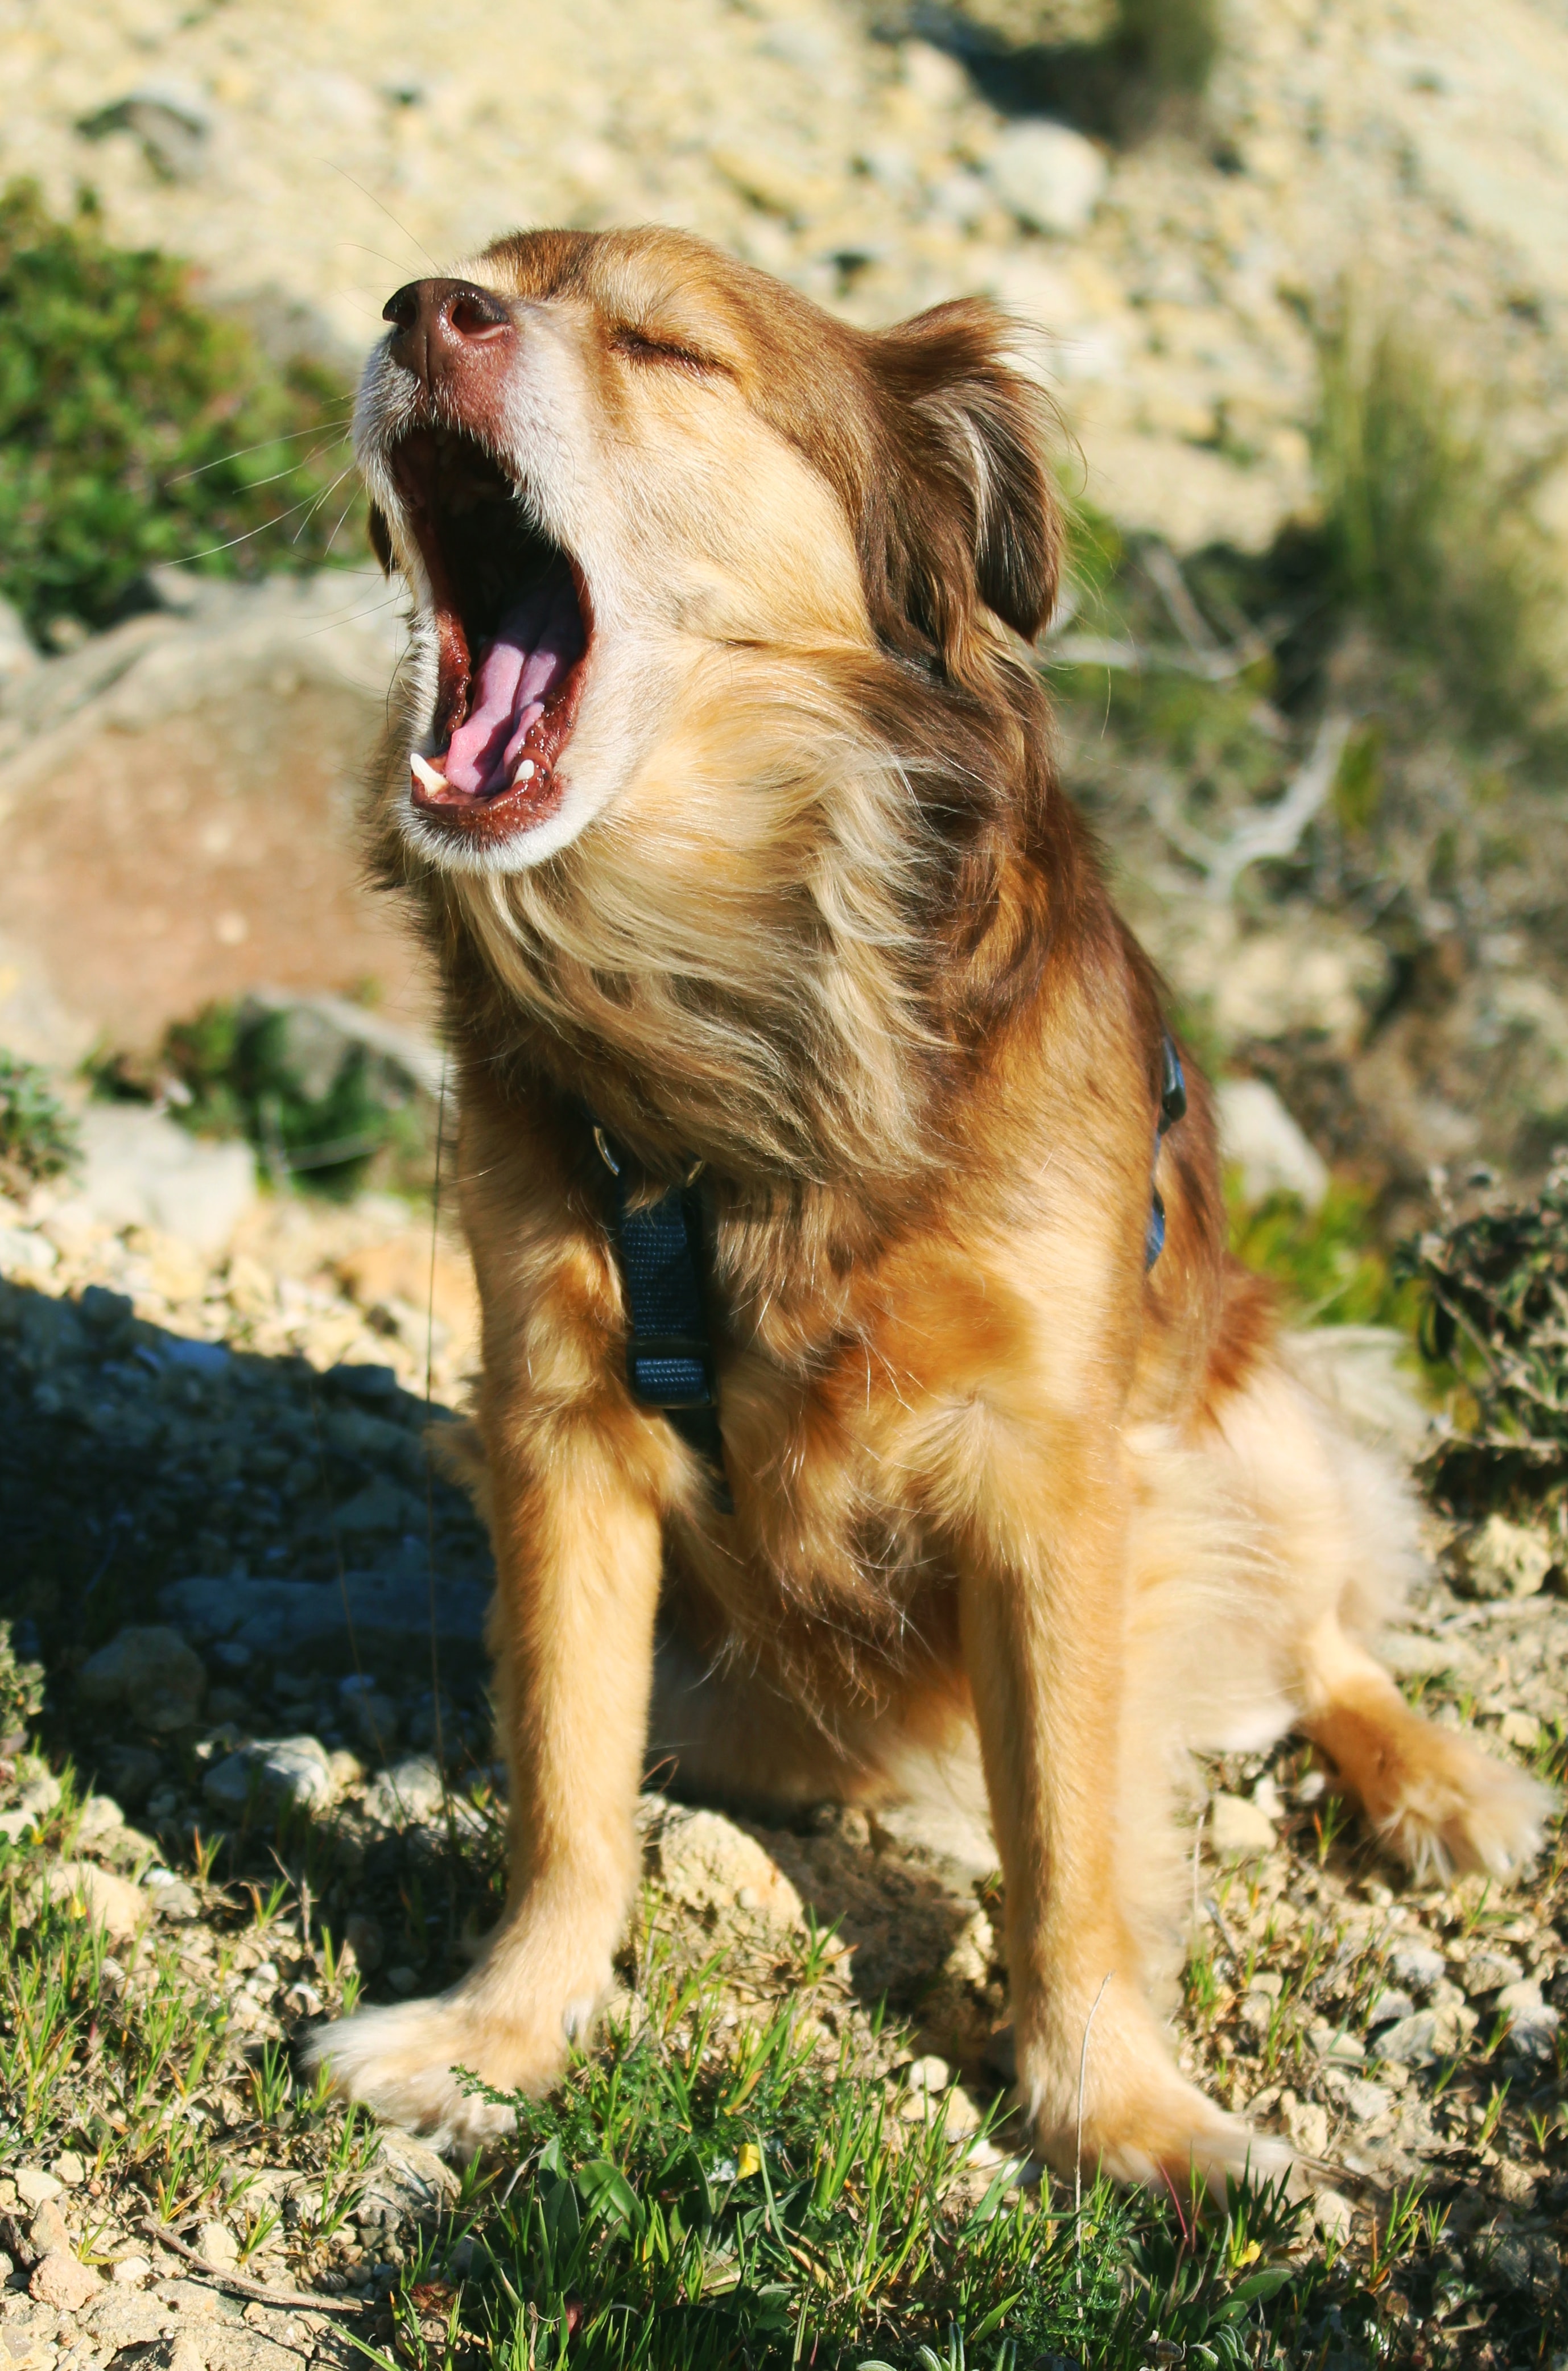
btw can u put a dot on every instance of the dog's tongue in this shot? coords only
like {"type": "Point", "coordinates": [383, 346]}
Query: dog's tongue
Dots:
{"type": "Point", "coordinates": [535, 646]}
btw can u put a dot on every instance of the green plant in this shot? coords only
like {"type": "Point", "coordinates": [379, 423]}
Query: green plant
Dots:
{"type": "Point", "coordinates": [1493, 1291]}
{"type": "Point", "coordinates": [22, 1693]}
{"type": "Point", "coordinates": [1328, 1260]}
{"type": "Point", "coordinates": [1426, 535]}
{"type": "Point", "coordinates": [37, 1136]}
{"type": "Point", "coordinates": [138, 426]}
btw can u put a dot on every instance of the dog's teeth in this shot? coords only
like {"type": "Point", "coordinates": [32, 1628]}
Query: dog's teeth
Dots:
{"type": "Point", "coordinates": [426, 773]}
{"type": "Point", "coordinates": [525, 771]}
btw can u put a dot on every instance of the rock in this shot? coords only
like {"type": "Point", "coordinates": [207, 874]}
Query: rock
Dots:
{"type": "Point", "coordinates": [1489, 1971]}
{"type": "Point", "coordinates": [1417, 1965]}
{"type": "Point", "coordinates": [151, 1670]}
{"type": "Point", "coordinates": [1367, 2102]}
{"type": "Point", "coordinates": [1390, 2007]}
{"type": "Point", "coordinates": [410, 1790]}
{"type": "Point", "coordinates": [1334, 2216]}
{"type": "Point", "coordinates": [216, 2245]}
{"type": "Point", "coordinates": [1258, 1136]}
{"type": "Point", "coordinates": [41, 1795]}
{"type": "Point", "coordinates": [391, 1612]}
{"type": "Point", "coordinates": [99, 1818]}
{"type": "Point", "coordinates": [1048, 175]}
{"type": "Point", "coordinates": [1532, 2026]}
{"type": "Point", "coordinates": [1308, 2125]}
{"type": "Point", "coordinates": [1521, 1729]}
{"type": "Point", "coordinates": [139, 1170]}
{"type": "Point", "coordinates": [170, 1896]}
{"type": "Point", "coordinates": [1411, 2041]}
{"type": "Point", "coordinates": [130, 2272]}
{"type": "Point", "coordinates": [273, 1770]}
{"type": "Point", "coordinates": [409, 2176]}
{"type": "Point", "coordinates": [1503, 1559]}
{"type": "Point", "coordinates": [1237, 1829]}
{"type": "Point", "coordinates": [68, 2168]}
{"type": "Point", "coordinates": [34, 2187]}
{"type": "Point", "coordinates": [23, 1252]}
{"type": "Point", "coordinates": [60, 2281]}
{"type": "Point", "coordinates": [1316, 975]}
{"type": "Point", "coordinates": [107, 1900]}
{"type": "Point", "coordinates": [46, 2235]}
{"type": "Point", "coordinates": [709, 1863]}
{"type": "Point", "coordinates": [133, 1770]}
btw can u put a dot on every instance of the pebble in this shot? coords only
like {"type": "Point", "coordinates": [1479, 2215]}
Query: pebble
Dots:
{"type": "Point", "coordinates": [1237, 1829]}
{"type": "Point", "coordinates": [68, 2168]}
{"type": "Point", "coordinates": [151, 1670]}
{"type": "Point", "coordinates": [1504, 1559]}
{"type": "Point", "coordinates": [217, 2245]}
{"type": "Point", "coordinates": [1334, 2215]}
{"type": "Point", "coordinates": [60, 2281]}
{"type": "Point", "coordinates": [110, 1901]}
{"type": "Point", "coordinates": [33, 2185]}
{"type": "Point", "coordinates": [130, 2272]}
{"type": "Point", "coordinates": [46, 2232]}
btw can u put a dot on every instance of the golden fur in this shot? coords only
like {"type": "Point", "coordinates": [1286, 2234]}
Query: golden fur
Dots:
{"type": "Point", "coordinates": [811, 909]}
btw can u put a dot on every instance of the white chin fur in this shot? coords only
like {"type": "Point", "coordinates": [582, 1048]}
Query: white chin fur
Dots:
{"type": "Point", "coordinates": [455, 852]}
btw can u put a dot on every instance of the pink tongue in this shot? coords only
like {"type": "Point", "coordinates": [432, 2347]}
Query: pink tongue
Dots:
{"type": "Point", "coordinates": [535, 645]}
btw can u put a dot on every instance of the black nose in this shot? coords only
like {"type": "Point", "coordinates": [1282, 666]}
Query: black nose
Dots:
{"type": "Point", "coordinates": [438, 322]}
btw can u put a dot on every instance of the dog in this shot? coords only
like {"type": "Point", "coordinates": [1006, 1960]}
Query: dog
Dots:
{"type": "Point", "coordinates": [722, 788]}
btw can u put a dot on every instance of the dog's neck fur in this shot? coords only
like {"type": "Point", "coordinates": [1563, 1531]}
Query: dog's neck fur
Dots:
{"type": "Point", "coordinates": [784, 955]}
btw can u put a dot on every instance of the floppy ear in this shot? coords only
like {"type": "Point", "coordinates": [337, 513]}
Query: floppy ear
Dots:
{"type": "Point", "coordinates": [966, 517]}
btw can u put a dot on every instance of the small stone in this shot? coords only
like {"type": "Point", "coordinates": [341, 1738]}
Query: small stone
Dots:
{"type": "Point", "coordinates": [60, 2281]}
{"type": "Point", "coordinates": [130, 2272]}
{"type": "Point", "coordinates": [1333, 2043]}
{"type": "Point", "coordinates": [216, 2245]}
{"type": "Point", "coordinates": [1417, 1965]}
{"type": "Point", "coordinates": [101, 1816]}
{"type": "Point", "coordinates": [403, 1980]}
{"type": "Point", "coordinates": [1390, 2007]}
{"type": "Point", "coordinates": [41, 1795]}
{"type": "Point", "coordinates": [46, 2232]}
{"type": "Point", "coordinates": [170, 1896]}
{"type": "Point", "coordinates": [1521, 1729]}
{"type": "Point", "coordinates": [410, 1790]}
{"type": "Point", "coordinates": [33, 2185]}
{"type": "Point", "coordinates": [1412, 2041]}
{"type": "Point", "coordinates": [277, 1769]}
{"type": "Point", "coordinates": [1366, 2101]}
{"type": "Point", "coordinates": [1334, 2216]}
{"type": "Point", "coordinates": [1048, 175]}
{"type": "Point", "coordinates": [1503, 1559]}
{"type": "Point", "coordinates": [185, 2354]}
{"type": "Point", "coordinates": [706, 1861]}
{"type": "Point", "coordinates": [1308, 2125]}
{"type": "Point", "coordinates": [110, 1901]}
{"type": "Point", "coordinates": [1237, 1829]}
{"type": "Point", "coordinates": [1488, 1972]}
{"type": "Point", "coordinates": [153, 1672]}
{"type": "Point", "coordinates": [68, 2168]}
{"type": "Point", "coordinates": [1259, 1138]}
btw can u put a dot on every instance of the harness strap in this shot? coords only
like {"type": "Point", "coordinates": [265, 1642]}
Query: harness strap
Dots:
{"type": "Point", "coordinates": [669, 1349]}
{"type": "Point", "coordinates": [1172, 1107]}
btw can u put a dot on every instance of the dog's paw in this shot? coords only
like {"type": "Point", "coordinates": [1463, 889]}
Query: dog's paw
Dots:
{"type": "Point", "coordinates": [407, 2064]}
{"type": "Point", "coordinates": [1450, 1809]}
{"type": "Point", "coordinates": [1138, 2119]}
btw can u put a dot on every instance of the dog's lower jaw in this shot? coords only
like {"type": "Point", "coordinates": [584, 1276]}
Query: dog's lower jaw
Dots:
{"type": "Point", "coordinates": [409, 2064]}
{"type": "Point", "coordinates": [1101, 2093]}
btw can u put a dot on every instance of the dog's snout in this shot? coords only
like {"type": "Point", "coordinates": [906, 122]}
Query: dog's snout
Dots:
{"type": "Point", "coordinates": [438, 323]}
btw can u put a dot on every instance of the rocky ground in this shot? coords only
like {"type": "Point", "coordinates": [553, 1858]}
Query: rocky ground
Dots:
{"type": "Point", "coordinates": [269, 1783]}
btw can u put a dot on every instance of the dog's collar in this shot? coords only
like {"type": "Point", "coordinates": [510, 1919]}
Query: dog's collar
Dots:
{"type": "Point", "coordinates": [661, 1252]}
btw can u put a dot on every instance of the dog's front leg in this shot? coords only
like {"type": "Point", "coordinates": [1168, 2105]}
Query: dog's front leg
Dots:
{"type": "Point", "coordinates": [577, 1541]}
{"type": "Point", "coordinates": [1043, 1613]}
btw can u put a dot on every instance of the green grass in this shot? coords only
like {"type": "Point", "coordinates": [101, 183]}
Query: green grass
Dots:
{"type": "Point", "coordinates": [138, 425]}
{"type": "Point", "coordinates": [1328, 1263]}
{"type": "Point", "coordinates": [1426, 535]}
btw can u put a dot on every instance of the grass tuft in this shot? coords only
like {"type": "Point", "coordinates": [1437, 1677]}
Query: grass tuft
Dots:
{"type": "Point", "coordinates": [38, 1135]}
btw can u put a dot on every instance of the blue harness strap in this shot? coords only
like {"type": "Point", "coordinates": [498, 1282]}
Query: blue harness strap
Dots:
{"type": "Point", "coordinates": [1172, 1107]}
{"type": "Point", "coordinates": [669, 1348]}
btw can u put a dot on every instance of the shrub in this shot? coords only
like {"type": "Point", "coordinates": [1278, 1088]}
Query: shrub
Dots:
{"type": "Point", "coordinates": [137, 426]}
{"type": "Point", "coordinates": [37, 1136]}
{"type": "Point", "coordinates": [1427, 533]}
{"type": "Point", "coordinates": [1494, 1294]}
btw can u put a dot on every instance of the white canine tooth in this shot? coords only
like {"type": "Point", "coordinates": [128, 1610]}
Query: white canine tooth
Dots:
{"type": "Point", "coordinates": [427, 773]}
{"type": "Point", "coordinates": [526, 770]}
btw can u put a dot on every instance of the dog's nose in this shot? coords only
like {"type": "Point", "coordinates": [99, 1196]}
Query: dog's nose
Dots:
{"type": "Point", "coordinates": [437, 322]}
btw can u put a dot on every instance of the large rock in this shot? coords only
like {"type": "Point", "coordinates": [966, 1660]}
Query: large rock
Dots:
{"type": "Point", "coordinates": [390, 1613]}
{"type": "Point", "coordinates": [150, 1670]}
{"type": "Point", "coordinates": [1048, 175]}
{"type": "Point", "coordinates": [139, 1170]}
{"type": "Point", "coordinates": [1258, 1136]}
{"type": "Point", "coordinates": [709, 1863]}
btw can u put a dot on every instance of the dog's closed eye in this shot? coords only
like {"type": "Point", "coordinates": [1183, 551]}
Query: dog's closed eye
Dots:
{"type": "Point", "coordinates": [642, 346]}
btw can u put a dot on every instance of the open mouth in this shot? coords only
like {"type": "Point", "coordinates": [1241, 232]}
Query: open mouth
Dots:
{"type": "Point", "coordinates": [512, 629]}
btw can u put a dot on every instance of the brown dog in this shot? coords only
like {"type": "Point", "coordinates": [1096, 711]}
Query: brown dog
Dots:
{"type": "Point", "coordinates": [731, 819]}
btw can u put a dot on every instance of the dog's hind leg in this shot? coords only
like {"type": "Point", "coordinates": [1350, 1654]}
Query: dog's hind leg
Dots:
{"type": "Point", "coordinates": [1338, 1532]}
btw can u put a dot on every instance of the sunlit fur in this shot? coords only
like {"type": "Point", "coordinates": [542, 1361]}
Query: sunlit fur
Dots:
{"type": "Point", "coordinates": [824, 921]}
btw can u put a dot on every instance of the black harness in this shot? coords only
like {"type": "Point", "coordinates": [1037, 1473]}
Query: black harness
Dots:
{"type": "Point", "coordinates": [662, 1254]}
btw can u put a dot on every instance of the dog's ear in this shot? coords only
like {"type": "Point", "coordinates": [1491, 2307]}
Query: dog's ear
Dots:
{"type": "Point", "coordinates": [966, 516]}
{"type": "Point", "coordinates": [380, 542]}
